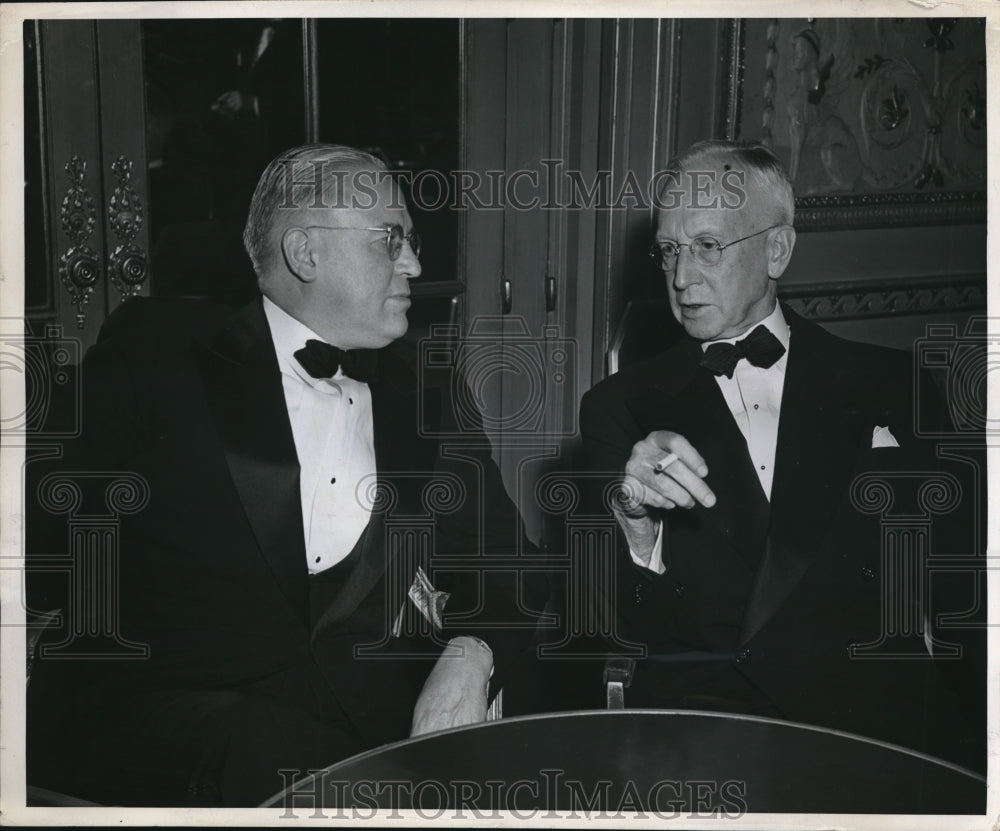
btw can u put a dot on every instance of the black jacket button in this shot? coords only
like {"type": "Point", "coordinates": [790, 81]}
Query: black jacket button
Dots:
{"type": "Point", "coordinates": [743, 656]}
{"type": "Point", "coordinates": [867, 573]}
{"type": "Point", "coordinates": [637, 595]}
{"type": "Point", "coordinates": [680, 589]}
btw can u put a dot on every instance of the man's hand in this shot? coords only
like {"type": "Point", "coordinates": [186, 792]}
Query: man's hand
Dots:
{"type": "Point", "coordinates": [664, 471]}
{"type": "Point", "coordinates": [455, 692]}
{"type": "Point", "coordinates": [231, 104]}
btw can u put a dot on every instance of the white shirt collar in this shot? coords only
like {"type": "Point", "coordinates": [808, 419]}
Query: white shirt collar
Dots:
{"type": "Point", "coordinates": [289, 335]}
{"type": "Point", "coordinates": [775, 322]}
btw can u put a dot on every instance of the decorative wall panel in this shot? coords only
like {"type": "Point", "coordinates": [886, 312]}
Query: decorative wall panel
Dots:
{"type": "Point", "coordinates": [879, 121]}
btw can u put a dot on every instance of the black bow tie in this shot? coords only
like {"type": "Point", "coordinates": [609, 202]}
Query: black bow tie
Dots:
{"type": "Point", "coordinates": [321, 360]}
{"type": "Point", "coordinates": [760, 347]}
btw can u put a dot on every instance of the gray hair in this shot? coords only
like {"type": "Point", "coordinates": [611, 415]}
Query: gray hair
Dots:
{"type": "Point", "coordinates": [762, 167]}
{"type": "Point", "coordinates": [286, 172]}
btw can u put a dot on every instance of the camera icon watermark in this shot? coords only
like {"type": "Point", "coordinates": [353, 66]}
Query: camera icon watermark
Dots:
{"type": "Point", "coordinates": [959, 365]}
{"type": "Point", "coordinates": [499, 377]}
{"type": "Point", "coordinates": [47, 366]}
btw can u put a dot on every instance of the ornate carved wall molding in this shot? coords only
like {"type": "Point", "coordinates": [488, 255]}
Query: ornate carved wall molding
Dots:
{"type": "Point", "coordinates": [851, 301]}
{"type": "Point", "coordinates": [873, 209]}
{"type": "Point", "coordinates": [770, 83]}
{"type": "Point", "coordinates": [734, 48]}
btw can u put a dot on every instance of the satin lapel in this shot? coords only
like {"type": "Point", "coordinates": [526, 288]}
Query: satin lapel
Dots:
{"type": "Point", "coordinates": [244, 391]}
{"type": "Point", "coordinates": [393, 417]}
{"type": "Point", "coordinates": [818, 446]}
{"type": "Point", "coordinates": [690, 403]}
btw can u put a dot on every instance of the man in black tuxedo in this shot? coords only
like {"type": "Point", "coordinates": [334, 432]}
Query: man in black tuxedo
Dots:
{"type": "Point", "coordinates": [749, 565]}
{"type": "Point", "coordinates": [292, 608]}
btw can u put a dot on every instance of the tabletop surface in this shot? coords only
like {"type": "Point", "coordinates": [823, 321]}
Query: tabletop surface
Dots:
{"type": "Point", "coordinates": [665, 762]}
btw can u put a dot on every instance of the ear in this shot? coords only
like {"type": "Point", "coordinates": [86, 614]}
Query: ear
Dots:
{"type": "Point", "coordinates": [297, 249]}
{"type": "Point", "coordinates": [780, 242]}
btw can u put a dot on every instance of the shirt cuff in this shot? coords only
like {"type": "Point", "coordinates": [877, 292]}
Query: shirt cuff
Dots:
{"type": "Point", "coordinates": [656, 556]}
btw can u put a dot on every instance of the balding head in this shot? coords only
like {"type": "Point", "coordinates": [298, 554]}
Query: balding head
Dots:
{"type": "Point", "coordinates": [724, 236]}
{"type": "Point", "coordinates": [749, 171]}
{"type": "Point", "coordinates": [300, 179]}
{"type": "Point", "coordinates": [333, 244]}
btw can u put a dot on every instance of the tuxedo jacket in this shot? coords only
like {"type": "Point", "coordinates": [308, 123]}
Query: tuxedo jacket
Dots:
{"type": "Point", "coordinates": [211, 571]}
{"type": "Point", "coordinates": [763, 605]}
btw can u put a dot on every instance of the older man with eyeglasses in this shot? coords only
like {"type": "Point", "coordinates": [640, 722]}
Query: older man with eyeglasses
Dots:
{"type": "Point", "coordinates": [290, 572]}
{"type": "Point", "coordinates": [752, 577]}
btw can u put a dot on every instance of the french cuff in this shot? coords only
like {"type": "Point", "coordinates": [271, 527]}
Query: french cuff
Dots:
{"type": "Point", "coordinates": [656, 556]}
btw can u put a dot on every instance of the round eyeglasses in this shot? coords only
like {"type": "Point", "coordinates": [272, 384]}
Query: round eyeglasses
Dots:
{"type": "Point", "coordinates": [704, 250]}
{"type": "Point", "coordinates": [394, 237]}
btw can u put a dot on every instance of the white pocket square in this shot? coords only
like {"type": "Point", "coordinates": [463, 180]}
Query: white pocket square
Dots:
{"type": "Point", "coordinates": [882, 437]}
{"type": "Point", "coordinates": [426, 598]}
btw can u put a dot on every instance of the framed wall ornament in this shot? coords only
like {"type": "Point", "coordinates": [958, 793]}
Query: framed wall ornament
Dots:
{"type": "Point", "coordinates": [880, 121]}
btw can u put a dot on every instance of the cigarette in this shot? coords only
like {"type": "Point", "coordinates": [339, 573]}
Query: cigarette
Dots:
{"type": "Point", "coordinates": [665, 462]}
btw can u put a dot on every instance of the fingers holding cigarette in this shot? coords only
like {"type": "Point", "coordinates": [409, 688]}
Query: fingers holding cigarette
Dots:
{"type": "Point", "coordinates": [665, 462]}
{"type": "Point", "coordinates": [665, 471]}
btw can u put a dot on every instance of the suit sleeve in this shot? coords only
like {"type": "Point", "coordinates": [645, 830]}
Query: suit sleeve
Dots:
{"type": "Point", "coordinates": [108, 433]}
{"type": "Point", "coordinates": [958, 535]}
{"type": "Point", "coordinates": [499, 600]}
{"type": "Point", "coordinates": [609, 433]}
{"type": "Point", "coordinates": [952, 461]}
{"type": "Point", "coordinates": [613, 585]}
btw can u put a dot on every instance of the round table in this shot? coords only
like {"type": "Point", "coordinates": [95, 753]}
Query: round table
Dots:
{"type": "Point", "coordinates": [665, 763]}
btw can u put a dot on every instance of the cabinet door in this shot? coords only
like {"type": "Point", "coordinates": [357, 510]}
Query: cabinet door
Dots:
{"type": "Point", "coordinates": [87, 168]}
{"type": "Point", "coordinates": [507, 354]}
{"type": "Point", "coordinates": [563, 119]}
{"type": "Point", "coordinates": [137, 180]}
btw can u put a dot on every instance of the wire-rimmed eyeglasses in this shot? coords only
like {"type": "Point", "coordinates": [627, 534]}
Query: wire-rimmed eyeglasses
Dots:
{"type": "Point", "coordinates": [394, 237]}
{"type": "Point", "coordinates": [705, 250]}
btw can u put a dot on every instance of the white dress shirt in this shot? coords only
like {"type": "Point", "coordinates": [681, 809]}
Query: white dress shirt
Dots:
{"type": "Point", "coordinates": [335, 441]}
{"type": "Point", "coordinates": [753, 396]}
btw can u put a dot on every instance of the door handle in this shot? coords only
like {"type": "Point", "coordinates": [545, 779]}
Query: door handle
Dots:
{"type": "Point", "coordinates": [127, 265]}
{"type": "Point", "coordinates": [550, 293]}
{"type": "Point", "coordinates": [79, 267]}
